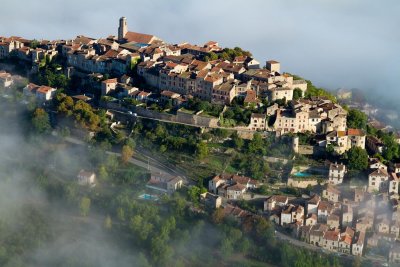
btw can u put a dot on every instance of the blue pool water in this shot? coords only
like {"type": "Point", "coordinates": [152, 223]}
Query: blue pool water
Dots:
{"type": "Point", "coordinates": [148, 197]}
{"type": "Point", "coordinates": [301, 174]}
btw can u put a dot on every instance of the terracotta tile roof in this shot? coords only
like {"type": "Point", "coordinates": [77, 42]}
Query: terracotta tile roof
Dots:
{"type": "Point", "coordinates": [314, 200]}
{"type": "Point", "coordinates": [355, 132]}
{"type": "Point", "coordinates": [237, 187]}
{"type": "Point", "coordinates": [336, 167]}
{"type": "Point", "coordinates": [258, 115]}
{"type": "Point", "coordinates": [278, 198]}
{"type": "Point", "coordinates": [139, 37]}
{"type": "Point", "coordinates": [44, 89]}
{"type": "Point", "coordinates": [111, 80]}
{"type": "Point", "coordinates": [331, 235]}
{"type": "Point", "coordinates": [333, 189]}
{"type": "Point", "coordinates": [251, 97]}
{"type": "Point", "coordinates": [169, 94]}
{"type": "Point", "coordinates": [380, 173]}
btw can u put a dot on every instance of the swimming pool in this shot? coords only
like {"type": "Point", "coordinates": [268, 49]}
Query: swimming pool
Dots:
{"type": "Point", "coordinates": [301, 174]}
{"type": "Point", "coordinates": [148, 197]}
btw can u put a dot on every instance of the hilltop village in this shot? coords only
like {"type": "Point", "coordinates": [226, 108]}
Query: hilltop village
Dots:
{"type": "Point", "coordinates": [340, 185]}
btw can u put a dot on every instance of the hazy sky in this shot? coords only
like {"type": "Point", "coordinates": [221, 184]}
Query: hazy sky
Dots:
{"type": "Point", "coordinates": [335, 43]}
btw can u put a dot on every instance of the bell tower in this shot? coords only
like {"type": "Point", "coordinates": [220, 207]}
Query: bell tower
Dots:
{"type": "Point", "coordinates": [122, 29]}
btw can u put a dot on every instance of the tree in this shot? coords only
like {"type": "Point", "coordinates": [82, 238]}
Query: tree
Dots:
{"type": "Point", "coordinates": [226, 247]}
{"type": "Point", "coordinates": [201, 150]}
{"type": "Point", "coordinates": [103, 174]}
{"type": "Point", "coordinates": [84, 206]}
{"type": "Point", "coordinates": [297, 93]}
{"type": "Point", "coordinates": [263, 190]}
{"type": "Point", "coordinates": [264, 230]}
{"type": "Point", "coordinates": [194, 194]}
{"type": "Point", "coordinates": [126, 153]}
{"type": "Point", "coordinates": [41, 121]}
{"type": "Point", "coordinates": [256, 144]}
{"type": "Point", "coordinates": [34, 44]}
{"type": "Point", "coordinates": [357, 119]}
{"type": "Point", "coordinates": [357, 158]}
{"type": "Point", "coordinates": [218, 216]}
{"type": "Point", "coordinates": [108, 222]}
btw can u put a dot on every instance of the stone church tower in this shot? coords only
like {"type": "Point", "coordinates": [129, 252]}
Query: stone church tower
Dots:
{"type": "Point", "coordinates": [122, 29]}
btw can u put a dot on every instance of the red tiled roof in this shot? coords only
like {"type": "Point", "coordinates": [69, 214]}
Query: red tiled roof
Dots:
{"type": "Point", "coordinates": [139, 37]}
{"type": "Point", "coordinates": [355, 132]}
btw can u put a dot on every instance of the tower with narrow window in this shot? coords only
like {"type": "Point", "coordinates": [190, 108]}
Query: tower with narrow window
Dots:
{"type": "Point", "coordinates": [123, 28]}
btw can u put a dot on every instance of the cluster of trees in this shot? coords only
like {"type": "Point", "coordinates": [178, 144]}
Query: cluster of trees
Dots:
{"type": "Point", "coordinates": [228, 54]}
{"type": "Point", "coordinates": [357, 159]}
{"type": "Point", "coordinates": [357, 119]}
{"type": "Point", "coordinates": [28, 231]}
{"type": "Point", "coordinates": [250, 157]}
{"type": "Point", "coordinates": [392, 149]}
{"type": "Point", "coordinates": [83, 113]}
{"type": "Point", "coordinates": [51, 74]}
{"type": "Point", "coordinates": [197, 105]}
{"type": "Point", "coordinates": [40, 121]}
{"type": "Point", "coordinates": [312, 90]}
{"type": "Point", "coordinates": [241, 117]}
{"type": "Point", "coordinates": [171, 137]}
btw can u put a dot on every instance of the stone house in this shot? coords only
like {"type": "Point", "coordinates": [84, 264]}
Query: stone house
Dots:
{"type": "Point", "coordinates": [211, 200]}
{"type": "Point", "coordinates": [325, 209]}
{"type": "Point", "coordinates": [45, 93]}
{"type": "Point", "coordinates": [235, 191]}
{"type": "Point", "coordinates": [395, 229]}
{"type": "Point", "coordinates": [356, 138]}
{"type": "Point", "coordinates": [5, 79]}
{"type": "Point", "coordinates": [374, 164]}
{"type": "Point", "coordinates": [347, 216]}
{"type": "Point", "coordinates": [339, 141]}
{"type": "Point", "coordinates": [275, 201]}
{"type": "Point", "coordinates": [333, 221]}
{"type": "Point", "coordinates": [258, 122]}
{"type": "Point", "coordinates": [393, 184]}
{"type": "Point", "coordinates": [317, 233]}
{"type": "Point", "coordinates": [378, 181]}
{"type": "Point", "coordinates": [331, 193]}
{"type": "Point", "coordinates": [364, 223]}
{"type": "Point", "coordinates": [358, 244]}
{"type": "Point", "coordinates": [383, 226]}
{"type": "Point", "coordinates": [374, 145]}
{"type": "Point", "coordinates": [108, 86]}
{"type": "Point", "coordinates": [231, 186]}
{"type": "Point", "coordinates": [169, 96]}
{"type": "Point", "coordinates": [312, 204]}
{"type": "Point", "coordinates": [164, 183]}
{"type": "Point", "coordinates": [223, 93]}
{"type": "Point", "coordinates": [336, 173]}
{"type": "Point", "coordinates": [346, 240]}
{"type": "Point", "coordinates": [330, 241]}
{"type": "Point", "coordinates": [311, 219]}
{"type": "Point", "coordinates": [359, 194]}
{"type": "Point", "coordinates": [86, 178]}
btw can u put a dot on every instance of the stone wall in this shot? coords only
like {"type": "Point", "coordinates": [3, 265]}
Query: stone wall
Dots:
{"type": "Point", "coordinates": [303, 183]}
{"type": "Point", "coordinates": [180, 117]}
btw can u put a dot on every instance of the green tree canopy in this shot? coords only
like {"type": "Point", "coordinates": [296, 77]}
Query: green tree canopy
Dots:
{"type": "Point", "coordinates": [84, 206]}
{"type": "Point", "coordinates": [357, 158]}
{"type": "Point", "coordinates": [357, 119]}
{"type": "Point", "coordinates": [41, 121]}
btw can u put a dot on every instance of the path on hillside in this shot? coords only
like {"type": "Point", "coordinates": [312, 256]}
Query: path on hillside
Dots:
{"type": "Point", "coordinates": [144, 159]}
